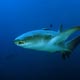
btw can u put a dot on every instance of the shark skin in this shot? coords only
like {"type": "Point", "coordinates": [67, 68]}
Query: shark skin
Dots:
{"type": "Point", "coordinates": [49, 40]}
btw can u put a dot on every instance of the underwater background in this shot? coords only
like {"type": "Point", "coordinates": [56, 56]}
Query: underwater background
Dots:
{"type": "Point", "coordinates": [20, 16]}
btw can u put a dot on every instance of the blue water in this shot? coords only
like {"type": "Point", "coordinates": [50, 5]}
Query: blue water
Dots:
{"type": "Point", "coordinates": [19, 16]}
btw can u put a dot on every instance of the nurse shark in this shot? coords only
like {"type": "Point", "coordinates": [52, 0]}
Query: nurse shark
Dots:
{"type": "Point", "coordinates": [50, 41]}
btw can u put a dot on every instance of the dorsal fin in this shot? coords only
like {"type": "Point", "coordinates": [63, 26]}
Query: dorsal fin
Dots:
{"type": "Point", "coordinates": [61, 28]}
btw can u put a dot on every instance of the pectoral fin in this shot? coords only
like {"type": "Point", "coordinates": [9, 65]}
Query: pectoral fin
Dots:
{"type": "Point", "coordinates": [65, 55]}
{"type": "Point", "coordinates": [71, 45]}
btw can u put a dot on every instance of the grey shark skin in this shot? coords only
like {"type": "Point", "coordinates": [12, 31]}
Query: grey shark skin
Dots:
{"type": "Point", "coordinates": [49, 40]}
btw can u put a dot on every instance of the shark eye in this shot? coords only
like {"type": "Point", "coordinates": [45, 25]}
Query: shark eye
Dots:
{"type": "Point", "coordinates": [21, 42]}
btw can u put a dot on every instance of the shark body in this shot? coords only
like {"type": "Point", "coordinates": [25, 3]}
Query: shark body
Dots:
{"type": "Point", "coordinates": [49, 40]}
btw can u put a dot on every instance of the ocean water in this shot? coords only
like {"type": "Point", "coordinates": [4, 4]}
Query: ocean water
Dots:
{"type": "Point", "coordinates": [19, 16]}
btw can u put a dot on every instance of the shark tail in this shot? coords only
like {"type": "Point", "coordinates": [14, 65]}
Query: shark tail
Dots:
{"type": "Point", "coordinates": [71, 46]}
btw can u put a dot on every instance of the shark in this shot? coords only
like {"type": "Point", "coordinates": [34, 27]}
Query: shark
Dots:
{"type": "Point", "coordinates": [50, 41]}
